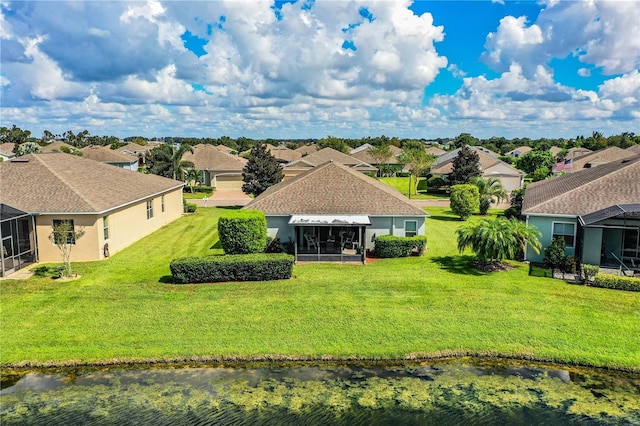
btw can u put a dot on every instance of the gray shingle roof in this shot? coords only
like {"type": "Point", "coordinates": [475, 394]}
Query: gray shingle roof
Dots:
{"type": "Point", "coordinates": [488, 159]}
{"type": "Point", "coordinates": [210, 157]}
{"type": "Point", "coordinates": [105, 154]}
{"type": "Point", "coordinates": [332, 188]}
{"type": "Point", "coordinates": [586, 191]}
{"type": "Point", "coordinates": [330, 154]}
{"type": "Point", "coordinates": [603, 156]}
{"type": "Point", "coordinates": [63, 183]}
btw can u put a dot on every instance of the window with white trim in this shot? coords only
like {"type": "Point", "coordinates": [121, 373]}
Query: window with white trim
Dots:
{"type": "Point", "coordinates": [410, 228]}
{"type": "Point", "coordinates": [566, 231]}
{"type": "Point", "coordinates": [105, 227]}
{"type": "Point", "coordinates": [149, 209]}
{"type": "Point", "coordinates": [70, 232]}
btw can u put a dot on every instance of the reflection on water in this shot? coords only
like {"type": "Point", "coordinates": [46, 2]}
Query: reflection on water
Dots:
{"type": "Point", "coordinates": [440, 393]}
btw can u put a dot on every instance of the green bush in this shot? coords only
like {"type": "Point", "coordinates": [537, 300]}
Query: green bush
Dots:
{"type": "Point", "coordinates": [243, 231]}
{"type": "Point", "coordinates": [236, 267]}
{"type": "Point", "coordinates": [464, 200]}
{"type": "Point", "coordinates": [436, 182]}
{"type": "Point", "coordinates": [616, 282]}
{"type": "Point", "coordinates": [201, 188]}
{"type": "Point", "coordinates": [392, 246]}
{"type": "Point", "coordinates": [44, 271]}
{"type": "Point", "coordinates": [190, 207]}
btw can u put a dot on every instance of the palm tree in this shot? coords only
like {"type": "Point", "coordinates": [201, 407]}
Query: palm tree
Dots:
{"type": "Point", "coordinates": [167, 161]}
{"type": "Point", "coordinates": [498, 239]}
{"type": "Point", "coordinates": [489, 189]}
{"type": "Point", "coordinates": [193, 177]}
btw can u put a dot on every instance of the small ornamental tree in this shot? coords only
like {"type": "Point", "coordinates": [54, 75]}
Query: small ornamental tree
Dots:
{"type": "Point", "coordinates": [261, 171]}
{"type": "Point", "coordinates": [466, 166]}
{"type": "Point", "coordinates": [465, 199]}
{"type": "Point", "coordinates": [64, 235]}
{"type": "Point", "coordinates": [243, 231]}
{"type": "Point", "coordinates": [556, 258]}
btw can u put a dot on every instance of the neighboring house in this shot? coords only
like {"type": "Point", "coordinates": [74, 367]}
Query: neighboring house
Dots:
{"type": "Point", "coordinates": [307, 149]}
{"type": "Point", "coordinates": [332, 209]}
{"type": "Point", "coordinates": [519, 151]}
{"type": "Point", "coordinates": [221, 170]}
{"type": "Point", "coordinates": [310, 161]}
{"type": "Point", "coordinates": [6, 151]}
{"type": "Point", "coordinates": [140, 151]}
{"type": "Point", "coordinates": [105, 154]}
{"type": "Point", "coordinates": [59, 146]}
{"type": "Point", "coordinates": [364, 155]}
{"type": "Point", "coordinates": [283, 154]}
{"type": "Point", "coordinates": [593, 159]}
{"type": "Point", "coordinates": [490, 166]}
{"type": "Point", "coordinates": [554, 150]}
{"type": "Point", "coordinates": [635, 149]}
{"type": "Point", "coordinates": [114, 206]}
{"type": "Point", "coordinates": [435, 151]}
{"type": "Point", "coordinates": [596, 211]}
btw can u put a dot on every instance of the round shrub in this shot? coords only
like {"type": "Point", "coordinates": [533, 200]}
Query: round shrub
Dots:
{"type": "Point", "coordinates": [243, 231]}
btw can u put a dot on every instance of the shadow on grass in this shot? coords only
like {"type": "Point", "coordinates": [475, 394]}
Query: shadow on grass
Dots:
{"type": "Point", "coordinates": [217, 245]}
{"type": "Point", "coordinates": [446, 218]}
{"type": "Point", "coordinates": [229, 207]}
{"type": "Point", "coordinates": [166, 279]}
{"type": "Point", "coordinates": [457, 264]}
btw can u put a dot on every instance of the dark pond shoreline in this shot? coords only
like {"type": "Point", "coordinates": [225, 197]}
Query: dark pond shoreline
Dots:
{"type": "Point", "coordinates": [9, 375]}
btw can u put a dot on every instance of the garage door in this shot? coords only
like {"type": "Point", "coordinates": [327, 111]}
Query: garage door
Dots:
{"type": "Point", "coordinates": [226, 183]}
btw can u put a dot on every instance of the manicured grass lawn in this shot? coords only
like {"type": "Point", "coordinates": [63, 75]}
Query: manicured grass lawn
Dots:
{"type": "Point", "coordinates": [402, 185]}
{"type": "Point", "coordinates": [196, 195]}
{"type": "Point", "coordinates": [126, 309]}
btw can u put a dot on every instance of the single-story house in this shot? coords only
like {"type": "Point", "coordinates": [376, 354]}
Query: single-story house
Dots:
{"type": "Point", "coordinates": [106, 155]}
{"type": "Point", "coordinates": [140, 151]}
{"type": "Point", "coordinates": [519, 151]}
{"type": "Point", "coordinates": [595, 210]}
{"type": "Point", "coordinates": [115, 207]}
{"type": "Point", "coordinates": [555, 150]}
{"type": "Point", "coordinates": [220, 169]}
{"type": "Point", "coordinates": [490, 166]}
{"type": "Point", "coordinates": [59, 146]}
{"type": "Point", "coordinates": [363, 153]}
{"type": "Point", "coordinates": [307, 149]}
{"type": "Point", "coordinates": [593, 159]}
{"type": "Point", "coordinates": [310, 161]}
{"type": "Point", "coordinates": [332, 210]}
{"type": "Point", "coordinates": [635, 149]}
{"type": "Point", "coordinates": [6, 151]}
{"type": "Point", "coordinates": [283, 154]}
{"type": "Point", "coordinates": [435, 151]}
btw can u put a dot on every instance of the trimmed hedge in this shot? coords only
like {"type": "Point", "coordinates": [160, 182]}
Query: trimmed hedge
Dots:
{"type": "Point", "coordinates": [243, 231]}
{"type": "Point", "coordinates": [234, 267]}
{"type": "Point", "coordinates": [190, 207]}
{"type": "Point", "coordinates": [202, 188]}
{"type": "Point", "coordinates": [392, 246]}
{"type": "Point", "coordinates": [616, 282]}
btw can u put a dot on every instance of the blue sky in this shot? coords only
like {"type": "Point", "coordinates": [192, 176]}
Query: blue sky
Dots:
{"type": "Point", "coordinates": [310, 69]}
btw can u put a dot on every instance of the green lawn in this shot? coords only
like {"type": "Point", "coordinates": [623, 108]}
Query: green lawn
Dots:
{"type": "Point", "coordinates": [196, 195]}
{"type": "Point", "coordinates": [125, 309]}
{"type": "Point", "coordinates": [402, 185]}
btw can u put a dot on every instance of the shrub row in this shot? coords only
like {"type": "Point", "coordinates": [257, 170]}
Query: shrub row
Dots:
{"type": "Point", "coordinates": [202, 188]}
{"type": "Point", "coordinates": [616, 282]}
{"type": "Point", "coordinates": [190, 207]}
{"type": "Point", "coordinates": [392, 246]}
{"type": "Point", "coordinates": [237, 267]}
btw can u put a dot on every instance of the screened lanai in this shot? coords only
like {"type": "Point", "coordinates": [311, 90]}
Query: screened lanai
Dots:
{"type": "Point", "coordinates": [18, 240]}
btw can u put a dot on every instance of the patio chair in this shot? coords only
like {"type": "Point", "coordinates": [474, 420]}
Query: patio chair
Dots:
{"type": "Point", "coordinates": [311, 241]}
{"type": "Point", "coordinates": [350, 241]}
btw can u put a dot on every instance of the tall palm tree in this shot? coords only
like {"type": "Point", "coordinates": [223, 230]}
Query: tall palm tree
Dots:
{"type": "Point", "coordinates": [498, 239]}
{"type": "Point", "coordinates": [166, 160]}
{"type": "Point", "coordinates": [489, 189]}
{"type": "Point", "coordinates": [193, 177]}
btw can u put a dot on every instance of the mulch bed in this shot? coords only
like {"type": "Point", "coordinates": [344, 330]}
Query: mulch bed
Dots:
{"type": "Point", "coordinates": [486, 266]}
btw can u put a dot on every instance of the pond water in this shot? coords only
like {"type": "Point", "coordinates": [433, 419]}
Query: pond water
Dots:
{"type": "Point", "coordinates": [454, 392]}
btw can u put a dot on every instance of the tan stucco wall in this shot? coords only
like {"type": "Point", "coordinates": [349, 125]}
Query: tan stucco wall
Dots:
{"type": "Point", "coordinates": [126, 226]}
